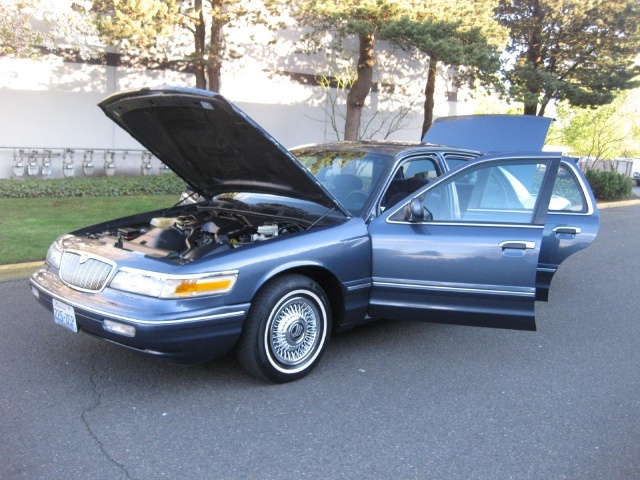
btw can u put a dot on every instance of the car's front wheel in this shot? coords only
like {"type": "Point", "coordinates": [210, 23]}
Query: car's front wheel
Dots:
{"type": "Point", "coordinates": [286, 330]}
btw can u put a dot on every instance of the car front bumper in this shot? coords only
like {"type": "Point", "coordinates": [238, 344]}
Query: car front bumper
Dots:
{"type": "Point", "coordinates": [176, 331]}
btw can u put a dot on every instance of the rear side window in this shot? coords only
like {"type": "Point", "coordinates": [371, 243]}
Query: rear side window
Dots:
{"type": "Point", "coordinates": [567, 195]}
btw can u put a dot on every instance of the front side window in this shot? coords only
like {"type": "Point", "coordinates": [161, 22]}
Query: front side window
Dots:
{"type": "Point", "coordinates": [410, 177]}
{"type": "Point", "coordinates": [454, 160]}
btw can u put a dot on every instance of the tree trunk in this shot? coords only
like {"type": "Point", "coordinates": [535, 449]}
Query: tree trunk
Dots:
{"type": "Point", "coordinates": [199, 39]}
{"type": "Point", "coordinates": [543, 104]}
{"type": "Point", "coordinates": [534, 58]}
{"type": "Point", "coordinates": [214, 62]}
{"type": "Point", "coordinates": [216, 46]}
{"type": "Point", "coordinates": [542, 109]}
{"type": "Point", "coordinates": [360, 88]}
{"type": "Point", "coordinates": [214, 72]}
{"type": "Point", "coordinates": [429, 90]}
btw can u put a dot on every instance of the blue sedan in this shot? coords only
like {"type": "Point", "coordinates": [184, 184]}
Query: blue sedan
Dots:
{"type": "Point", "coordinates": [286, 247]}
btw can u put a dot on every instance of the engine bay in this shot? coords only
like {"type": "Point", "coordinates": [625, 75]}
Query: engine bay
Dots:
{"type": "Point", "coordinates": [193, 234]}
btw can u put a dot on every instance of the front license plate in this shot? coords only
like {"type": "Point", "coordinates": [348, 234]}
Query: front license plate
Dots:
{"type": "Point", "coordinates": [64, 315]}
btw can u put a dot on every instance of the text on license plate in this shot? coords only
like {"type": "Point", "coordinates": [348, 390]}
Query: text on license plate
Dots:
{"type": "Point", "coordinates": [64, 315]}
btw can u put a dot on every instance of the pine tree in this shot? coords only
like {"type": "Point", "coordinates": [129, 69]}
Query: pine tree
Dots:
{"type": "Point", "coordinates": [582, 51]}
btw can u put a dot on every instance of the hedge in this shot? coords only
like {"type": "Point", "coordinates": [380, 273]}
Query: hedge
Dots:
{"type": "Point", "coordinates": [606, 185]}
{"type": "Point", "coordinates": [165, 184]}
{"type": "Point", "coordinates": [609, 185]}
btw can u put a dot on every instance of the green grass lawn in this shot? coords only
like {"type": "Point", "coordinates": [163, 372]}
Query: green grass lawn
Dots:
{"type": "Point", "coordinates": [29, 225]}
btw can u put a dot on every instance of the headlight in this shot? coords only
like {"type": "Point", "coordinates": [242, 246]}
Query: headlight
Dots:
{"type": "Point", "coordinates": [174, 286]}
{"type": "Point", "coordinates": [54, 256]}
{"type": "Point", "coordinates": [138, 282]}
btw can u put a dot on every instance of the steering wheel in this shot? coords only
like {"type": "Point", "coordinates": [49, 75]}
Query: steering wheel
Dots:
{"type": "Point", "coordinates": [358, 197]}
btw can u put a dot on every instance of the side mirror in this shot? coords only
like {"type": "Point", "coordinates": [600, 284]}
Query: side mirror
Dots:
{"type": "Point", "coordinates": [414, 211]}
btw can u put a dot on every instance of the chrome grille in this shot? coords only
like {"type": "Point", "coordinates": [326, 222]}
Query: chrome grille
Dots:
{"type": "Point", "coordinates": [84, 273]}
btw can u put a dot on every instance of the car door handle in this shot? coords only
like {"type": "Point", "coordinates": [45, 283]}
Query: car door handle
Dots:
{"type": "Point", "coordinates": [567, 230]}
{"type": "Point", "coordinates": [517, 244]}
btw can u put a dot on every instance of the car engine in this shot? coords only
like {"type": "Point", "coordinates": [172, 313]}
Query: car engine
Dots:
{"type": "Point", "coordinates": [191, 236]}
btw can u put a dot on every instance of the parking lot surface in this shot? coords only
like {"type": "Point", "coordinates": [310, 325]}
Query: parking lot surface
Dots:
{"type": "Point", "coordinates": [391, 399]}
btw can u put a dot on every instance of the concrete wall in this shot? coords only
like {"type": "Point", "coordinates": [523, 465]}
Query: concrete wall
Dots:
{"type": "Point", "coordinates": [48, 104]}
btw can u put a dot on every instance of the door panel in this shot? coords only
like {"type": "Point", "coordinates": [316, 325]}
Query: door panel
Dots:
{"type": "Point", "coordinates": [455, 274]}
{"type": "Point", "coordinates": [572, 224]}
{"type": "Point", "coordinates": [473, 258]}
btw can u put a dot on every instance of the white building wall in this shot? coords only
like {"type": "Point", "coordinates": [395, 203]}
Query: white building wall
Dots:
{"type": "Point", "coordinates": [50, 104]}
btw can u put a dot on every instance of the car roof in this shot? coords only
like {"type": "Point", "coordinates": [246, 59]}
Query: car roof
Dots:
{"type": "Point", "coordinates": [384, 147]}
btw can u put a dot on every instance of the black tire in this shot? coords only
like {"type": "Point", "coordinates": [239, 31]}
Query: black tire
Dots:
{"type": "Point", "coordinates": [287, 329]}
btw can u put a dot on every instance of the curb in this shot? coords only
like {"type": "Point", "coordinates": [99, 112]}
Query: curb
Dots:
{"type": "Point", "coordinates": [15, 271]}
{"type": "Point", "coordinates": [34, 265]}
{"type": "Point", "coordinates": [21, 270]}
{"type": "Point", "coordinates": [624, 203]}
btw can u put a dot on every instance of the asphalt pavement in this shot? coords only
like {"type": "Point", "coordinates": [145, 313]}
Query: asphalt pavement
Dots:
{"type": "Point", "coordinates": [389, 400]}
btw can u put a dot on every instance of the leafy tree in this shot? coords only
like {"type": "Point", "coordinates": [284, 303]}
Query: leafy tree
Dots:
{"type": "Point", "coordinates": [448, 42]}
{"type": "Point", "coordinates": [581, 51]}
{"type": "Point", "coordinates": [26, 26]}
{"type": "Point", "coordinates": [150, 30]}
{"type": "Point", "coordinates": [610, 131]}
{"type": "Point", "coordinates": [341, 19]}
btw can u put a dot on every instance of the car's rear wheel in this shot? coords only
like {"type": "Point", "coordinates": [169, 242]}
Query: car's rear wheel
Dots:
{"type": "Point", "coordinates": [287, 329]}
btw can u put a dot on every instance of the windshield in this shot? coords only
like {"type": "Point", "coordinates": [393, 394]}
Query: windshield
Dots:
{"type": "Point", "coordinates": [350, 176]}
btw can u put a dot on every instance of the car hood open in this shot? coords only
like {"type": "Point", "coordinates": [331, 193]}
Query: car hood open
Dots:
{"type": "Point", "coordinates": [490, 133]}
{"type": "Point", "coordinates": [211, 144]}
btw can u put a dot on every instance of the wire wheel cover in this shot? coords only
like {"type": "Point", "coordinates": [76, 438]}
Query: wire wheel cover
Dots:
{"type": "Point", "coordinates": [293, 331]}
